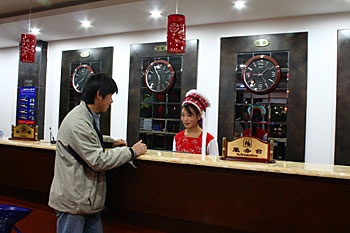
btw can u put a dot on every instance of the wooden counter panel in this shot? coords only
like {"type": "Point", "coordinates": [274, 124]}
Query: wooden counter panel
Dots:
{"type": "Point", "coordinates": [27, 168]}
{"type": "Point", "coordinates": [183, 194]}
{"type": "Point", "coordinates": [243, 201]}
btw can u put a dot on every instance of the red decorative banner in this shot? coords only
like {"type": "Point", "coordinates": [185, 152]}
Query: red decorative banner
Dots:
{"type": "Point", "coordinates": [176, 34]}
{"type": "Point", "coordinates": [27, 46]}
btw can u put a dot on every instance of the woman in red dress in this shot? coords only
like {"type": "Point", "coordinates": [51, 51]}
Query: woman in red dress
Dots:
{"type": "Point", "coordinates": [191, 140]}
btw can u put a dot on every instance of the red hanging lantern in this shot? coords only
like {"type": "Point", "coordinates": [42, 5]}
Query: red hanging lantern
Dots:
{"type": "Point", "coordinates": [176, 34]}
{"type": "Point", "coordinates": [27, 47]}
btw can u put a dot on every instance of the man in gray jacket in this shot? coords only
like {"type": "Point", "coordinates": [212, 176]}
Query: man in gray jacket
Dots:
{"type": "Point", "coordinates": [78, 189]}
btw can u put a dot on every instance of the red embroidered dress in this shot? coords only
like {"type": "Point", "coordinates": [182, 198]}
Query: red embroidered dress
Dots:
{"type": "Point", "coordinates": [190, 145]}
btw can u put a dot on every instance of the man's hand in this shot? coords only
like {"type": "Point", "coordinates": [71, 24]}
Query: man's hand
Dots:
{"type": "Point", "coordinates": [119, 142]}
{"type": "Point", "coordinates": [139, 148]}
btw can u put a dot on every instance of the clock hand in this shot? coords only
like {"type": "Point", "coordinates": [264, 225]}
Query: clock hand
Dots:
{"type": "Point", "coordinates": [81, 80]}
{"type": "Point", "coordinates": [84, 77]}
{"type": "Point", "coordinates": [265, 71]}
{"type": "Point", "coordinates": [156, 72]}
{"type": "Point", "coordinates": [264, 80]}
{"type": "Point", "coordinates": [158, 84]}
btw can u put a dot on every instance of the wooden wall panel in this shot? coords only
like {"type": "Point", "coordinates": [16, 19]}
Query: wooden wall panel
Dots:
{"type": "Point", "coordinates": [342, 145]}
{"type": "Point", "coordinates": [166, 197]}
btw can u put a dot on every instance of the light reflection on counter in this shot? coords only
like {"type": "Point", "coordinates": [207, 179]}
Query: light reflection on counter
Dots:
{"type": "Point", "coordinates": [282, 167]}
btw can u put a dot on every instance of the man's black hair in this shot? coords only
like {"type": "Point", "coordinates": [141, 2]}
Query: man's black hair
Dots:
{"type": "Point", "coordinates": [101, 82]}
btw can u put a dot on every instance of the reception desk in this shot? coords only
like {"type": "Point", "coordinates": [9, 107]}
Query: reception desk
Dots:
{"type": "Point", "coordinates": [177, 192]}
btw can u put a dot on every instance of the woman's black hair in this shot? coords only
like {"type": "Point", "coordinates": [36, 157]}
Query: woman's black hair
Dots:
{"type": "Point", "coordinates": [191, 109]}
{"type": "Point", "coordinates": [101, 82]}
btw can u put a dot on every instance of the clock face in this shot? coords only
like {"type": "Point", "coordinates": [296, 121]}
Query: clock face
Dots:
{"type": "Point", "coordinates": [80, 76]}
{"type": "Point", "coordinates": [159, 76]}
{"type": "Point", "coordinates": [261, 74]}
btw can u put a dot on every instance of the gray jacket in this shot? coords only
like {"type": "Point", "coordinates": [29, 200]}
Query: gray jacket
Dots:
{"type": "Point", "coordinates": [80, 187]}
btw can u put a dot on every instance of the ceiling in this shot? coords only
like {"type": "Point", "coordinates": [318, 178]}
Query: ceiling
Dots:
{"type": "Point", "coordinates": [60, 19]}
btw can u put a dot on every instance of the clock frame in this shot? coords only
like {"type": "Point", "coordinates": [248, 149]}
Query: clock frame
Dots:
{"type": "Point", "coordinates": [261, 74]}
{"type": "Point", "coordinates": [80, 76]}
{"type": "Point", "coordinates": [159, 76]}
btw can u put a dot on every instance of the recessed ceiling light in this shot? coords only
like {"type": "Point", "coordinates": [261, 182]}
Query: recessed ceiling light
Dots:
{"type": "Point", "coordinates": [156, 14]}
{"type": "Point", "coordinates": [85, 23]}
{"type": "Point", "coordinates": [35, 31]}
{"type": "Point", "coordinates": [239, 4]}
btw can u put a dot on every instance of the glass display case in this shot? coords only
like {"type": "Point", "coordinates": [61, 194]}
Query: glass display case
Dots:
{"type": "Point", "coordinates": [160, 112]}
{"type": "Point", "coordinates": [272, 106]}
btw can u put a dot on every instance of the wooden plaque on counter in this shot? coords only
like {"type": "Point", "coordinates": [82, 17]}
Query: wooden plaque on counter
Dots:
{"type": "Point", "coordinates": [24, 132]}
{"type": "Point", "coordinates": [247, 149]}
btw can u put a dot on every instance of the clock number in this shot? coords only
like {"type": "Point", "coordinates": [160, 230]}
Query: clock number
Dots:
{"type": "Point", "coordinates": [260, 62]}
{"type": "Point", "coordinates": [273, 74]}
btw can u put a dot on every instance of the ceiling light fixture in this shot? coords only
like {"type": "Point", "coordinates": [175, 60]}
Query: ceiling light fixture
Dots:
{"type": "Point", "coordinates": [176, 32]}
{"type": "Point", "coordinates": [156, 14]}
{"type": "Point", "coordinates": [28, 42]}
{"type": "Point", "coordinates": [239, 4]}
{"type": "Point", "coordinates": [35, 31]}
{"type": "Point", "coordinates": [86, 23]}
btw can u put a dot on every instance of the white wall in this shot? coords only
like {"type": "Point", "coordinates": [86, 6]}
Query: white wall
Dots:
{"type": "Point", "coordinates": [322, 58]}
{"type": "Point", "coordinates": [8, 95]}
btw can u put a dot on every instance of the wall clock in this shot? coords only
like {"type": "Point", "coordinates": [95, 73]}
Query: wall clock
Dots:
{"type": "Point", "coordinates": [79, 77]}
{"type": "Point", "coordinates": [159, 76]}
{"type": "Point", "coordinates": [261, 74]}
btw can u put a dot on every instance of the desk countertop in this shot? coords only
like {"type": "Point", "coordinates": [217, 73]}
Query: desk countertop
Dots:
{"type": "Point", "coordinates": [282, 167]}
{"type": "Point", "coordinates": [30, 144]}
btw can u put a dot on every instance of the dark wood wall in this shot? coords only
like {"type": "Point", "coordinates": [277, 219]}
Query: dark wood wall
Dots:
{"type": "Point", "coordinates": [342, 145]}
{"type": "Point", "coordinates": [34, 74]}
{"type": "Point", "coordinates": [103, 56]}
{"type": "Point", "coordinates": [296, 44]}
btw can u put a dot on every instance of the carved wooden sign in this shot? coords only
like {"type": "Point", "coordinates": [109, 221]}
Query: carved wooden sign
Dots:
{"type": "Point", "coordinates": [247, 149]}
{"type": "Point", "coordinates": [24, 132]}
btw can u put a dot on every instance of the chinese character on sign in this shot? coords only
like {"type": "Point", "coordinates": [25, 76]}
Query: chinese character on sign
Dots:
{"type": "Point", "coordinates": [236, 149]}
{"type": "Point", "coordinates": [247, 151]}
{"type": "Point", "coordinates": [258, 151]}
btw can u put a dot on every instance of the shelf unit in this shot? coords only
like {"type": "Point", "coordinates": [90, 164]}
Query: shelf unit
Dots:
{"type": "Point", "coordinates": [160, 113]}
{"type": "Point", "coordinates": [275, 103]}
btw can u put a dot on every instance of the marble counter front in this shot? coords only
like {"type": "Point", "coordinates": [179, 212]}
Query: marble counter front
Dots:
{"type": "Point", "coordinates": [283, 167]}
{"type": "Point", "coordinates": [170, 192]}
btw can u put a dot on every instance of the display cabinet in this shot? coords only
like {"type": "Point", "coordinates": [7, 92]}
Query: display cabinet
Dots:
{"type": "Point", "coordinates": [285, 104]}
{"type": "Point", "coordinates": [160, 111]}
{"type": "Point", "coordinates": [157, 85]}
{"type": "Point", "coordinates": [99, 60]}
{"type": "Point", "coordinates": [273, 106]}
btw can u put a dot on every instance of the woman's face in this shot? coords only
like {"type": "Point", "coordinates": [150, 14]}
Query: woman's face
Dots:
{"type": "Point", "coordinates": [189, 119]}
